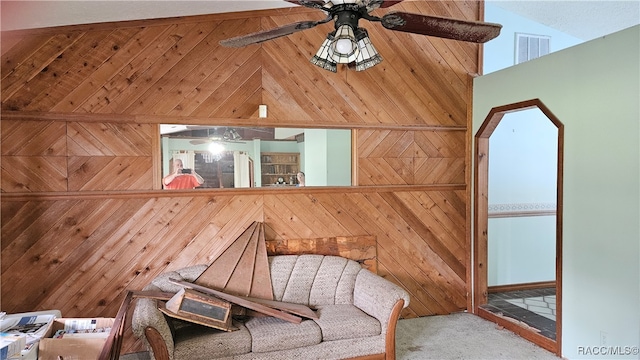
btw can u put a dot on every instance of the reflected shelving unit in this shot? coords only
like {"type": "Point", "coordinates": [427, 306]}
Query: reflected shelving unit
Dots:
{"type": "Point", "coordinates": [278, 166]}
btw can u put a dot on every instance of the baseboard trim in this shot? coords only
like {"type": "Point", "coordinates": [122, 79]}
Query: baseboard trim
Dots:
{"type": "Point", "coordinates": [524, 286]}
{"type": "Point", "coordinates": [522, 330]}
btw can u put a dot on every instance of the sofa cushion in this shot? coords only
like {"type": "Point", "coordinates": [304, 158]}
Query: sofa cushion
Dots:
{"type": "Point", "coordinates": [270, 334]}
{"type": "Point", "coordinates": [344, 290]}
{"type": "Point", "coordinates": [201, 342]}
{"type": "Point", "coordinates": [281, 268]}
{"type": "Point", "coordinates": [339, 322]}
{"type": "Point", "coordinates": [301, 279]}
{"type": "Point", "coordinates": [313, 279]}
{"type": "Point", "coordinates": [323, 290]}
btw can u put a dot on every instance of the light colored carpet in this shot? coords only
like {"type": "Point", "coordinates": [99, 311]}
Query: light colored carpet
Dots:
{"type": "Point", "coordinates": [448, 337]}
{"type": "Point", "coordinates": [462, 336]}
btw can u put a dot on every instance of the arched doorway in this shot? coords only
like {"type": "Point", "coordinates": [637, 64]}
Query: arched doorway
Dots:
{"type": "Point", "coordinates": [481, 227]}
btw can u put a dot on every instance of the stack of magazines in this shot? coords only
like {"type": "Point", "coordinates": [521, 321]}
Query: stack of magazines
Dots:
{"type": "Point", "coordinates": [33, 326]}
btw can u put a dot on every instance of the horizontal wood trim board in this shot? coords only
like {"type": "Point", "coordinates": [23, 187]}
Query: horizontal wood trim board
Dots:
{"type": "Point", "coordinates": [149, 119]}
{"type": "Point", "coordinates": [512, 214]}
{"type": "Point", "coordinates": [524, 286]}
{"type": "Point", "coordinates": [88, 195]}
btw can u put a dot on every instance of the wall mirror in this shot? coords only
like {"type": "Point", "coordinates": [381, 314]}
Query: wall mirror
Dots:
{"type": "Point", "coordinates": [246, 157]}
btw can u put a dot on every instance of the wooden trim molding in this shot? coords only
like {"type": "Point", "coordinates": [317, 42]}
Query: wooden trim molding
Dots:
{"type": "Point", "coordinates": [92, 195]}
{"type": "Point", "coordinates": [481, 221]}
{"type": "Point", "coordinates": [156, 145]}
{"type": "Point", "coordinates": [510, 324]}
{"type": "Point", "coordinates": [195, 120]}
{"type": "Point", "coordinates": [468, 159]}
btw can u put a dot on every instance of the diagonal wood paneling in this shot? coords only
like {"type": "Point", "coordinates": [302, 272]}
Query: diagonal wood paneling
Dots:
{"type": "Point", "coordinates": [99, 75]}
{"type": "Point", "coordinates": [388, 157]}
{"type": "Point", "coordinates": [79, 226]}
{"type": "Point", "coordinates": [34, 173]}
{"type": "Point", "coordinates": [179, 69]}
{"type": "Point", "coordinates": [30, 138]}
{"type": "Point", "coordinates": [76, 62]}
{"type": "Point", "coordinates": [40, 156]}
{"type": "Point", "coordinates": [97, 173]}
{"type": "Point", "coordinates": [17, 82]}
{"type": "Point", "coordinates": [105, 139]}
{"type": "Point", "coordinates": [33, 156]}
{"type": "Point", "coordinates": [80, 255]}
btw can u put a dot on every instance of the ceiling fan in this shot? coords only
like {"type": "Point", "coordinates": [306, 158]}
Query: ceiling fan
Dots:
{"type": "Point", "coordinates": [350, 44]}
{"type": "Point", "coordinates": [229, 135]}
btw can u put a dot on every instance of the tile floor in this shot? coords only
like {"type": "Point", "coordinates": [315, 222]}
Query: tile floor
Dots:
{"type": "Point", "coordinates": [536, 308]}
{"type": "Point", "coordinates": [541, 305]}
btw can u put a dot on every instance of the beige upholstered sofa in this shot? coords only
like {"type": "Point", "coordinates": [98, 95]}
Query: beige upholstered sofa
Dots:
{"type": "Point", "coordinates": [357, 315]}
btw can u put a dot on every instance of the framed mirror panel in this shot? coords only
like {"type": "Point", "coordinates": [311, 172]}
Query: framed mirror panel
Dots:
{"type": "Point", "coordinates": [208, 157]}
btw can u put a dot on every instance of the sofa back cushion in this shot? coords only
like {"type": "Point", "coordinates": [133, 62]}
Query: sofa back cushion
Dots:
{"type": "Point", "coordinates": [313, 280]}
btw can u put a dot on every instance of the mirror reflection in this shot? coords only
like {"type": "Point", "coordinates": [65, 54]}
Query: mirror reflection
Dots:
{"type": "Point", "coordinates": [206, 157]}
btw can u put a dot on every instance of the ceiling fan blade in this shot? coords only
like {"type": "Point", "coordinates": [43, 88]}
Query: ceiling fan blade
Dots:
{"type": "Point", "coordinates": [199, 141]}
{"type": "Point", "coordinates": [314, 4]}
{"type": "Point", "coordinates": [271, 34]}
{"type": "Point", "coordinates": [371, 5]}
{"type": "Point", "coordinates": [387, 3]}
{"type": "Point", "coordinates": [456, 29]}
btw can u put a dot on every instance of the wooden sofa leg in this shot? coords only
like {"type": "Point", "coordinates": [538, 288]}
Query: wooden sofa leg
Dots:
{"type": "Point", "coordinates": [157, 344]}
{"type": "Point", "coordinates": [390, 347]}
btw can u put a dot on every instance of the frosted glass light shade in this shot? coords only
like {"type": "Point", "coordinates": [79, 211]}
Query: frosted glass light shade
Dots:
{"type": "Point", "coordinates": [322, 57]}
{"type": "Point", "coordinates": [344, 48]}
{"type": "Point", "coordinates": [368, 55]}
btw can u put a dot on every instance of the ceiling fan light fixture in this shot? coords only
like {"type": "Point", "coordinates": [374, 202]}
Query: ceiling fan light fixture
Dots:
{"type": "Point", "coordinates": [368, 56]}
{"type": "Point", "coordinates": [234, 135]}
{"type": "Point", "coordinates": [322, 58]}
{"type": "Point", "coordinates": [344, 48]}
{"type": "Point", "coordinates": [215, 148]}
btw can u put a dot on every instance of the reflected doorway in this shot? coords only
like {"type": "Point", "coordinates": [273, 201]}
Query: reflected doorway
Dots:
{"type": "Point", "coordinates": [518, 219]}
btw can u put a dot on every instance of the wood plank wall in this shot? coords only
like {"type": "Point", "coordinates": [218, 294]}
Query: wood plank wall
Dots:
{"type": "Point", "coordinates": [82, 218]}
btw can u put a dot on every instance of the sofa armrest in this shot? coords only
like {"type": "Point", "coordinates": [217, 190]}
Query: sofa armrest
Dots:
{"type": "Point", "coordinates": [377, 296]}
{"type": "Point", "coordinates": [150, 324]}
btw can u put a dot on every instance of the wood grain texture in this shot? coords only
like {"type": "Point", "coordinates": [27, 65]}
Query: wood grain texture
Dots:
{"type": "Point", "coordinates": [359, 248]}
{"type": "Point", "coordinates": [81, 106]}
{"type": "Point", "coordinates": [179, 69]}
{"type": "Point", "coordinates": [80, 255]}
{"type": "Point", "coordinates": [42, 156]}
{"type": "Point", "coordinates": [388, 157]}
